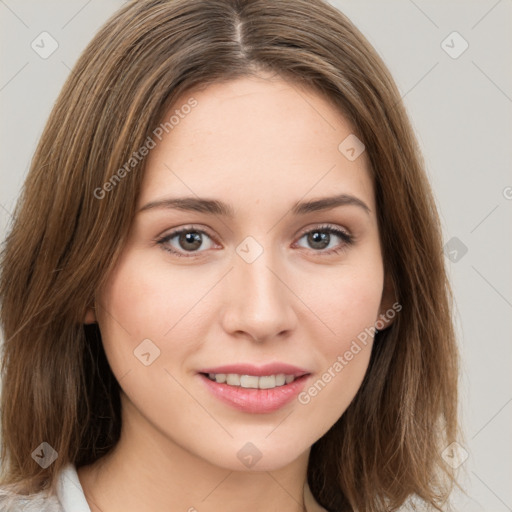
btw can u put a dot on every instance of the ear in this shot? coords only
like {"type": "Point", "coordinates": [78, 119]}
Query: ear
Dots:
{"type": "Point", "coordinates": [388, 305]}
{"type": "Point", "coordinates": [90, 315]}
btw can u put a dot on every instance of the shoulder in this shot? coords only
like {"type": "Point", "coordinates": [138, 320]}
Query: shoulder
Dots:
{"type": "Point", "coordinates": [39, 502]}
{"type": "Point", "coordinates": [69, 496]}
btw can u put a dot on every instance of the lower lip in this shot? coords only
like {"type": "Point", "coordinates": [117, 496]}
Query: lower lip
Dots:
{"type": "Point", "coordinates": [255, 401]}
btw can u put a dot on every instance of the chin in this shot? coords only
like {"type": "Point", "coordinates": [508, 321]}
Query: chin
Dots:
{"type": "Point", "coordinates": [256, 453]}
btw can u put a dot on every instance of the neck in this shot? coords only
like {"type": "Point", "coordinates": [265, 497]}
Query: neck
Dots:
{"type": "Point", "coordinates": [148, 471]}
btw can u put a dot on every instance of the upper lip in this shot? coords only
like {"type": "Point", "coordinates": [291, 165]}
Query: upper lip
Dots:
{"type": "Point", "coordinates": [250, 369]}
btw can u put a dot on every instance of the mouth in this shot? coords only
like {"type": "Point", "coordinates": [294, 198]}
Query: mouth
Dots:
{"type": "Point", "coordinates": [255, 390]}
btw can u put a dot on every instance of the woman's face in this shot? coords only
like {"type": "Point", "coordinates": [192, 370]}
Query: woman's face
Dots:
{"type": "Point", "coordinates": [254, 257]}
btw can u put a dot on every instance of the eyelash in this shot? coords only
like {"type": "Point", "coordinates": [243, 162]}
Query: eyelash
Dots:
{"type": "Point", "coordinates": [347, 240]}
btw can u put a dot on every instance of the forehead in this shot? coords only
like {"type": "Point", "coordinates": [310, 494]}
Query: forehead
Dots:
{"type": "Point", "coordinates": [253, 138]}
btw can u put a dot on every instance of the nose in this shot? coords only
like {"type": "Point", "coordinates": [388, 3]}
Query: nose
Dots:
{"type": "Point", "coordinates": [258, 302]}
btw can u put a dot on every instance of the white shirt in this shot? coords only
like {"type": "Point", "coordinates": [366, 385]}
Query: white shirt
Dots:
{"type": "Point", "coordinates": [70, 492]}
{"type": "Point", "coordinates": [70, 497]}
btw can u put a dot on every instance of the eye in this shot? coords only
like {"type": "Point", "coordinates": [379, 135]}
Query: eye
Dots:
{"type": "Point", "coordinates": [186, 240]}
{"type": "Point", "coordinates": [327, 239]}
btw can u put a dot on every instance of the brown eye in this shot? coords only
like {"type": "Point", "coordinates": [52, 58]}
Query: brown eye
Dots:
{"type": "Point", "coordinates": [190, 241]}
{"type": "Point", "coordinates": [185, 241]}
{"type": "Point", "coordinates": [318, 239]}
{"type": "Point", "coordinates": [326, 239]}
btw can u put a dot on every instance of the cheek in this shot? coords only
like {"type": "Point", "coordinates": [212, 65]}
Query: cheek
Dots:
{"type": "Point", "coordinates": [137, 303]}
{"type": "Point", "coordinates": [348, 307]}
{"type": "Point", "coordinates": [346, 301]}
{"type": "Point", "coordinates": [359, 305]}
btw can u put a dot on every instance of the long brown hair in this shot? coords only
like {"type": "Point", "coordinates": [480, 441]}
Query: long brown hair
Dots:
{"type": "Point", "coordinates": [57, 385]}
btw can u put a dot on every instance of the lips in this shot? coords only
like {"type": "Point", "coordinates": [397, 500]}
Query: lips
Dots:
{"type": "Point", "coordinates": [249, 369]}
{"type": "Point", "coordinates": [255, 389]}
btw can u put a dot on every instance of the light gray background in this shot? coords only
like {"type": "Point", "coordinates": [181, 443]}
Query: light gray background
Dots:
{"type": "Point", "coordinates": [461, 109]}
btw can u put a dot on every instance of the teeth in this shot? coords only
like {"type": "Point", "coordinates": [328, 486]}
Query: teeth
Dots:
{"type": "Point", "coordinates": [249, 381]}
{"type": "Point", "coordinates": [267, 382]}
{"type": "Point", "coordinates": [233, 379]}
{"type": "Point", "coordinates": [281, 379]}
{"type": "Point", "coordinates": [252, 381]}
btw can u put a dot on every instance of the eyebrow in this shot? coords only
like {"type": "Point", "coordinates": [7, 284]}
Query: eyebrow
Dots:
{"type": "Point", "coordinates": [215, 207]}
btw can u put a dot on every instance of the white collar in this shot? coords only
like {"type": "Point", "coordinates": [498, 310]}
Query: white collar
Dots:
{"type": "Point", "coordinates": [70, 492]}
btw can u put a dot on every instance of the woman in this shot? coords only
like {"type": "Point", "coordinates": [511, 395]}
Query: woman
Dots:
{"type": "Point", "coordinates": [224, 286]}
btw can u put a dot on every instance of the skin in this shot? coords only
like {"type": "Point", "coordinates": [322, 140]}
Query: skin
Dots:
{"type": "Point", "coordinates": [260, 145]}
